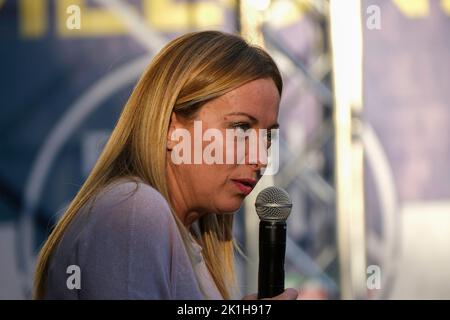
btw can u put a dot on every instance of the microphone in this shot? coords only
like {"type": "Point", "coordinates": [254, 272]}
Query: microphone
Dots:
{"type": "Point", "coordinates": [273, 206]}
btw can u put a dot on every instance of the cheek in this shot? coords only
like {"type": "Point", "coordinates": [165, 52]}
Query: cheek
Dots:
{"type": "Point", "coordinates": [212, 180]}
{"type": "Point", "coordinates": [210, 177]}
{"type": "Point", "coordinates": [228, 200]}
{"type": "Point", "coordinates": [214, 189]}
{"type": "Point", "coordinates": [221, 190]}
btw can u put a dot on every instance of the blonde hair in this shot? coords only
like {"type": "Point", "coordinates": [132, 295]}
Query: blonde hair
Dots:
{"type": "Point", "coordinates": [185, 74]}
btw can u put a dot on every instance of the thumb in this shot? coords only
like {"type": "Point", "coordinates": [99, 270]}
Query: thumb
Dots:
{"type": "Point", "coordinates": [288, 294]}
{"type": "Point", "coordinates": [253, 296]}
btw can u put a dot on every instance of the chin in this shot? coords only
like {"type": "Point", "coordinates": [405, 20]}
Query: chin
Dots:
{"type": "Point", "coordinates": [231, 205]}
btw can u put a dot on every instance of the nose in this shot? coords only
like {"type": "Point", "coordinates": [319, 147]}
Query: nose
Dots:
{"type": "Point", "coordinates": [260, 159]}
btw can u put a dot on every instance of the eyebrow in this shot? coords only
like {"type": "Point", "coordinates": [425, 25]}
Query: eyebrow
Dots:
{"type": "Point", "coordinates": [252, 118]}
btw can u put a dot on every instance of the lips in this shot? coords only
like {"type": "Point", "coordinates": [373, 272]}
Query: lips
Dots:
{"type": "Point", "coordinates": [245, 185]}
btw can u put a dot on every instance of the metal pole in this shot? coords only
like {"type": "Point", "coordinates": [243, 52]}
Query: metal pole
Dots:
{"type": "Point", "coordinates": [346, 41]}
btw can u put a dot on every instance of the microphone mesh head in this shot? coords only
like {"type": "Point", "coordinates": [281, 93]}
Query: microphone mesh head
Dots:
{"type": "Point", "coordinates": [273, 204]}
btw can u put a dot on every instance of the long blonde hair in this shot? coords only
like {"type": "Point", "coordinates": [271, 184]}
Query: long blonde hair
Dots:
{"type": "Point", "coordinates": [185, 74]}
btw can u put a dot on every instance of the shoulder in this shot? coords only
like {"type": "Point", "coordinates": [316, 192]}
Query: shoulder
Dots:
{"type": "Point", "coordinates": [127, 245]}
{"type": "Point", "coordinates": [130, 193]}
{"type": "Point", "coordinates": [130, 203]}
{"type": "Point", "coordinates": [133, 214]}
{"type": "Point", "coordinates": [127, 241]}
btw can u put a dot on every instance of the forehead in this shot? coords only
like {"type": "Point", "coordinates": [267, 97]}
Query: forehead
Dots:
{"type": "Point", "coordinates": [259, 98]}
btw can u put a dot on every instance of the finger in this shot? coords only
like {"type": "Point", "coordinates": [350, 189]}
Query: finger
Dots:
{"type": "Point", "coordinates": [288, 294]}
{"type": "Point", "coordinates": [251, 297]}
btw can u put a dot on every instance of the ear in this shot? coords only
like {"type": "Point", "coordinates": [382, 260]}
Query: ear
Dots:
{"type": "Point", "coordinates": [173, 124]}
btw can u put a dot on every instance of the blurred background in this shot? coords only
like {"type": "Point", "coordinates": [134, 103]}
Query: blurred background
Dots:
{"type": "Point", "coordinates": [364, 144]}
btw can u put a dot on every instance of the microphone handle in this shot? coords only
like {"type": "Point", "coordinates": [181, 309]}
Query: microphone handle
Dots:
{"type": "Point", "coordinates": [272, 249]}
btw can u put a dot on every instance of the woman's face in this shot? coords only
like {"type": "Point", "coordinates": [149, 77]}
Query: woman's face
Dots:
{"type": "Point", "coordinates": [197, 185]}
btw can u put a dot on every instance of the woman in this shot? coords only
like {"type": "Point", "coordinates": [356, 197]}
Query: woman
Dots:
{"type": "Point", "coordinates": [145, 225]}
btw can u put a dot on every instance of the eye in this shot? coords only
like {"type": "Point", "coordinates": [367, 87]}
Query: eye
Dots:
{"type": "Point", "coordinates": [271, 134]}
{"type": "Point", "coordinates": [241, 125]}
